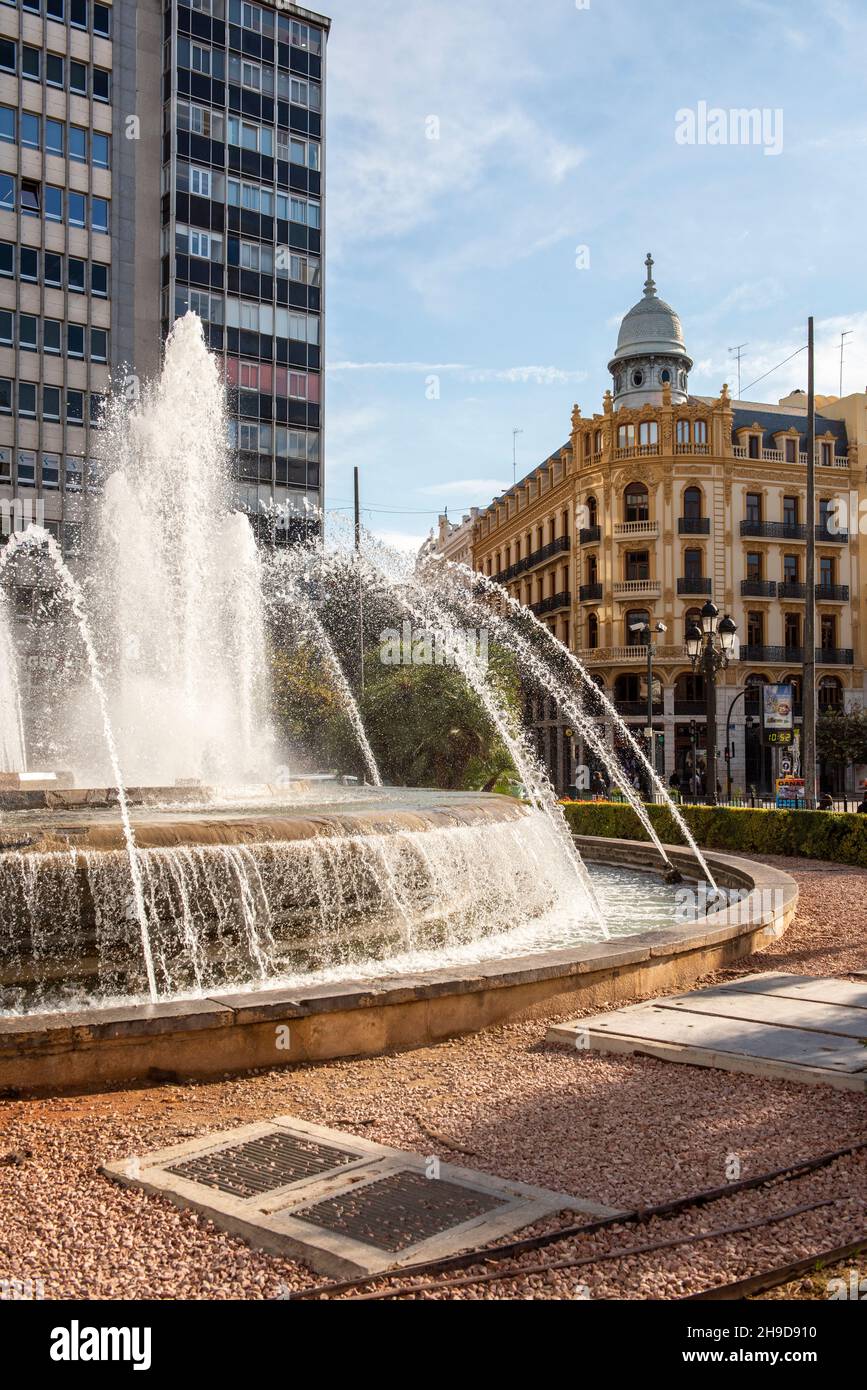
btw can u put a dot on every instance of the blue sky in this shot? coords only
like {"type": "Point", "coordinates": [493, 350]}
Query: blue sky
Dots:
{"type": "Point", "coordinates": [455, 257]}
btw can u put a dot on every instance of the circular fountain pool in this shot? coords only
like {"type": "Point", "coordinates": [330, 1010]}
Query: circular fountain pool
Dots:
{"type": "Point", "coordinates": [327, 884]}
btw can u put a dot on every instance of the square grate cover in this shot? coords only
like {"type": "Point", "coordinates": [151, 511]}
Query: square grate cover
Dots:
{"type": "Point", "coordinates": [263, 1164]}
{"type": "Point", "coordinates": [399, 1210]}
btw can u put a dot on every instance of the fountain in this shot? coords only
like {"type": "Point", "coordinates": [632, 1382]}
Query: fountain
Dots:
{"type": "Point", "coordinates": [188, 862]}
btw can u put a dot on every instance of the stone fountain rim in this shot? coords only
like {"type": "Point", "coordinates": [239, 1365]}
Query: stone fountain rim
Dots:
{"type": "Point", "coordinates": [235, 1031]}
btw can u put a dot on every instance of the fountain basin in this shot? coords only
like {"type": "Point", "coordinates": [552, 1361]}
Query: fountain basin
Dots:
{"type": "Point", "coordinates": [237, 1031]}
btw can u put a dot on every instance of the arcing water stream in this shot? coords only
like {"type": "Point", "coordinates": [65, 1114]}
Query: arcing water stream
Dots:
{"type": "Point", "coordinates": [177, 614]}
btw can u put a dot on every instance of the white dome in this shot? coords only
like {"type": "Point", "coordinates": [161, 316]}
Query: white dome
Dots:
{"type": "Point", "coordinates": [651, 356]}
{"type": "Point", "coordinates": [650, 326]}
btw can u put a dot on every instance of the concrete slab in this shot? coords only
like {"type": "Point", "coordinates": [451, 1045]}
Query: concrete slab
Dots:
{"type": "Point", "coordinates": [774, 1026]}
{"type": "Point", "coordinates": [340, 1204]}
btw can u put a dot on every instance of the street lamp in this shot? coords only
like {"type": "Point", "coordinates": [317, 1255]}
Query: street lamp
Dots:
{"type": "Point", "coordinates": [710, 648]}
{"type": "Point", "coordinates": [647, 631]}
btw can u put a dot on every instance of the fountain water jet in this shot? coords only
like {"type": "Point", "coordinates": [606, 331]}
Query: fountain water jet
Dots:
{"type": "Point", "coordinates": [13, 752]}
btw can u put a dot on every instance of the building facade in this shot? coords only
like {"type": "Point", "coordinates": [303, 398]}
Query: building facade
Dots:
{"type": "Point", "coordinates": [154, 159]}
{"type": "Point", "coordinates": [663, 500]}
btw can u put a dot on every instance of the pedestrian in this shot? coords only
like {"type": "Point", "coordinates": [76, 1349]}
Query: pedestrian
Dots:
{"type": "Point", "coordinates": [862, 806]}
{"type": "Point", "coordinates": [825, 802]}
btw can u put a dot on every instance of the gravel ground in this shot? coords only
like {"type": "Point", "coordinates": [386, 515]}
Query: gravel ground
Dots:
{"type": "Point", "coordinates": [619, 1130]}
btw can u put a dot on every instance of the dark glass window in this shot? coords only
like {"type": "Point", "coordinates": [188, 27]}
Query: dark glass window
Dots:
{"type": "Point", "coordinates": [26, 398]}
{"type": "Point", "coordinates": [78, 13]}
{"type": "Point", "coordinates": [7, 258]}
{"type": "Point", "coordinates": [75, 339]}
{"type": "Point", "coordinates": [31, 63]}
{"type": "Point", "coordinates": [78, 78]}
{"type": "Point", "coordinates": [28, 326]}
{"type": "Point", "coordinates": [102, 20]}
{"type": "Point", "coordinates": [78, 143]}
{"type": "Point", "coordinates": [99, 278]}
{"type": "Point", "coordinates": [51, 335]}
{"type": "Point", "coordinates": [77, 270]}
{"type": "Point", "coordinates": [30, 133]}
{"type": "Point", "coordinates": [75, 407]}
{"type": "Point", "coordinates": [101, 85]}
{"type": "Point", "coordinates": [8, 55]}
{"type": "Point", "coordinates": [55, 9]}
{"type": "Point", "coordinates": [54, 69]}
{"type": "Point", "coordinates": [790, 511]}
{"type": "Point", "coordinates": [53, 268]}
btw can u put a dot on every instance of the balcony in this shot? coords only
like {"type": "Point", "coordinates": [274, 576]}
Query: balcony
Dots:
{"type": "Point", "coordinates": [635, 653]}
{"type": "Point", "coordinates": [693, 525]}
{"type": "Point", "coordinates": [637, 451]}
{"type": "Point", "coordinates": [792, 588]}
{"type": "Point", "coordinates": [774, 530]}
{"type": "Point", "coordinates": [636, 530]}
{"type": "Point", "coordinates": [740, 451]}
{"type": "Point", "coordinates": [550, 605]}
{"type": "Point", "coordinates": [589, 593]}
{"type": "Point", "coordinates": [787, 656]}
{"type": "Point", "coordinates": [689, 709]}
{"type": "Point", "coordinates": [589, 535]}
{"type": "Point", "coordinates": [758, 588]}
{"type": "Point", "coordinates": [693, 585]}
{"type": "Point", "coordinates": [832, 593]}
{"type": "Point", "coordinates": [831, 537]}
{"type": "Point", "coordinates": [545, 552]}
{"type": "Point", "coordinates": [692, 448]}
{"type": "Point", "coordinates": [834, 656]}
{"type": "Point", "coordinates": [631, 708]}
{"type": "Point", "coordinates": [637, 588]}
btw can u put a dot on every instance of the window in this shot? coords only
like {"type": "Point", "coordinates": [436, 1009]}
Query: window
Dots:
{"type": "Point", "coordinates": [303, 93]}
{"type": "Point", "coordinates": [7, 191]}
{"type": "Point", "coordinates": [830, 693]}
{"type": "Point", "coordinates": [26, 398]}
{"type": "Point", "coordinates": [692, 504]}
{"type": "Point", "coordinates": [683, 431]}
{"type": "Point", "coordinates": [305, 211]}
{"type": "Point", "coordinates": [5, 465]}
{"type": "Point", "coordinates": [51, 462]}
{"type": "Point", "coordinates": [826, 457]}
{"type": "Point", "coordinates": [101, 85]}
{"type": "Point", "coordinates": [51, 329]}
{"type": "Point", "coordinates": [5, 395]}
{"type": "Point", "coordinates": [791, 450]}
{"type": "Point", "coordinates": [54, 138]}
{"type": "Point", "coordinates": [78, 14]}
{"type": "Point", "coordinates": [31, 63]}
{"type": "Point", "coordinates": [26, 468]}
{"type": "Point", "coordinates": [78, 144]}
{"type": "Point", "coordinates": [632, 619]}
{"type": "Point", "coordinates": [790, 569]}
{"type": "Point", "coordinates": [7, 124]}
{"type": "Point", "coordinates": [73, 475]}
{"type": "Point", "coordinates": [77, 209]}
{"type": "Point", "coordinates": [637, 506]}
{"type": "Point", "coordinates": [102, 21]}
{"type": "Point", "coordinates": [592, 631]}
{"type": "Point", "coordinates": [754, 506]}
{"type": "Point", "coordinates": [200, 120]}
{"type": "Point", "coordinates": [75, 339]}
{"type": "Point", "coordinates": [790, 511]}
{"type": "Point", "coordinates": [28, 327]}
{"type": "Point", "coordinates": [626, 436]}
{"type": "Point", "coordinates": [99, 279]}
{"type": "Point", "coordinates": [827, 574]}
{"type": "Point", "coordinates": [75, 407]}
{"type": "Point", "coordinates": [53, 268]}
{"type": "Point", "coordinates": [637, 565]}
{"type": "Point", "coordinates": [827, 514]}
{"type": "Point", "coordinates": [30, 130]}
{"type": "Point", "coordinates": [54, 69]}
{"type": "Point", "coordinates": [692, 564]}
{"type": "Point", "coordinates": [31, 192]}
{"type": "Point", "coordinates": [99, 214]}
{"type": "Point", "coordinates": [51, 402]}
{"type": "Point", "coordinates": [78, 78]}
{"type": "Point", "coordinates": [648, 433]}
{"type": "Point", "coordinates": [100, 150]}
{"type": "Point", "coordinates": [8, 56]}
{"type": "Point", "coordinates": [75, 275]}
{"type": "Point", "coordinates": [755, 629]}
{"type": "Point", "coordinates": [98, 344]}
{"type": "Point", "coordinates": [7, 258]}
{"type": "Point", "coordinates": [700, 431]}
{"type": "Point", "coordinates": [791, 630]}
{"type": "Point", "coordinates": [754, 566]}
{"type": "Point", "coordinates": [754, 446]}
{"type": "Point", "coordinates": [7, 327]}
{"type": "Point", "coordinates": [829, 632]}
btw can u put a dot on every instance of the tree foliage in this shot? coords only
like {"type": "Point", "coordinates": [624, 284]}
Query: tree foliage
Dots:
{"type": "Point", "coordinates": [841, 736]}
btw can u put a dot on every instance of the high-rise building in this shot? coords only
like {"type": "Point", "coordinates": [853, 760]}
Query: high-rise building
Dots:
{"type": "Point", "coordinates": [155, 159]}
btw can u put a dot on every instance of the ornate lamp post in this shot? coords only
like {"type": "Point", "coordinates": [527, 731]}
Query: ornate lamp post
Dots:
{"type": "Point", "coordinates": [709, 649]}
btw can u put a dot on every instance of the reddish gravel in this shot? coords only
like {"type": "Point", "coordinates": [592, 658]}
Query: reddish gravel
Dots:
{"type": "Point", "coordinates": [619, 1130]}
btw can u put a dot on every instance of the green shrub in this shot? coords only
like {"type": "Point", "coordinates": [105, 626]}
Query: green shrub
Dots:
{"type": "Point", "coordinates": [811, 834]}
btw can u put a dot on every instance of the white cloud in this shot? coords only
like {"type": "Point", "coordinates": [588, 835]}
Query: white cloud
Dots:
{"type": "Point", "coordinates": [539, 376]}
{"type": "Point", "coordinates": [764, 358]}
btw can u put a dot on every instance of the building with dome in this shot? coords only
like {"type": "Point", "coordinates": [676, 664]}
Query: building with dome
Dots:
{"type": "Point", "coordinates": [663, 500]}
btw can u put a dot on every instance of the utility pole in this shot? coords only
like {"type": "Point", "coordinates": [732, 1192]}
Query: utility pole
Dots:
{"type": "Point", "coordinates": [739, 351]}
{"type": "Point", "coordinates": [810, 577]}
{"type": "Point", "coordinates": [357, 487]}
{"type": "Point", "coordinates": [843, 337]}
{"type": "Point", "coordinates": [515, 434]}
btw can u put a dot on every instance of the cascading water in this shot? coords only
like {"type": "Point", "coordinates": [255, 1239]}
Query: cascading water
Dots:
{"type": "Point", "coordinates": [12, 746]}
{"type": "Point", "coordinates": [176, 584]}
{"type": "Point", "coordinates": [179, 618]}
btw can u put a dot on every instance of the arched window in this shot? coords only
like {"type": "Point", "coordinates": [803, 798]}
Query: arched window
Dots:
{"type": "Point", "coordinates": [592, 630]}
{"type": "Point", "coordinates": [628, 688]}
{"type": "Point", "coordinates": [699, 433]}
{"type": "Point", "coordinates": [592, 511]}
{"type": "Point", "coordinates": [689, 687]}
{"type": "Point", "coordinates": [592, 569]}
{"type": "Point", "coordinates": [691, 618]}
{"type": "Point", "coordinates": [630, 619]}
{"type": "Point", "coordinates": [692, 563]}
{"type": "Point", "coordinates": [636, 503]}
{"type": "Point", "coordinates": [692, 503]}
{"type": "Point", "coordinates": [830, 693]}
{"type": "Point", "coordinates": [683, 431]}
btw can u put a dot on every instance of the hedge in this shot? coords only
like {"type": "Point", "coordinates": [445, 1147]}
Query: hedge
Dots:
{"type": "Point", "coordinates": [837, 836]}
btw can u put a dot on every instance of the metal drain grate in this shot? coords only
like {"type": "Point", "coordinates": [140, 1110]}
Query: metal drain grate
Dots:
{"type": "Point", "coordinates": [260, 1165]}
{"type": "Point", "coordinates": [399, 1210]}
